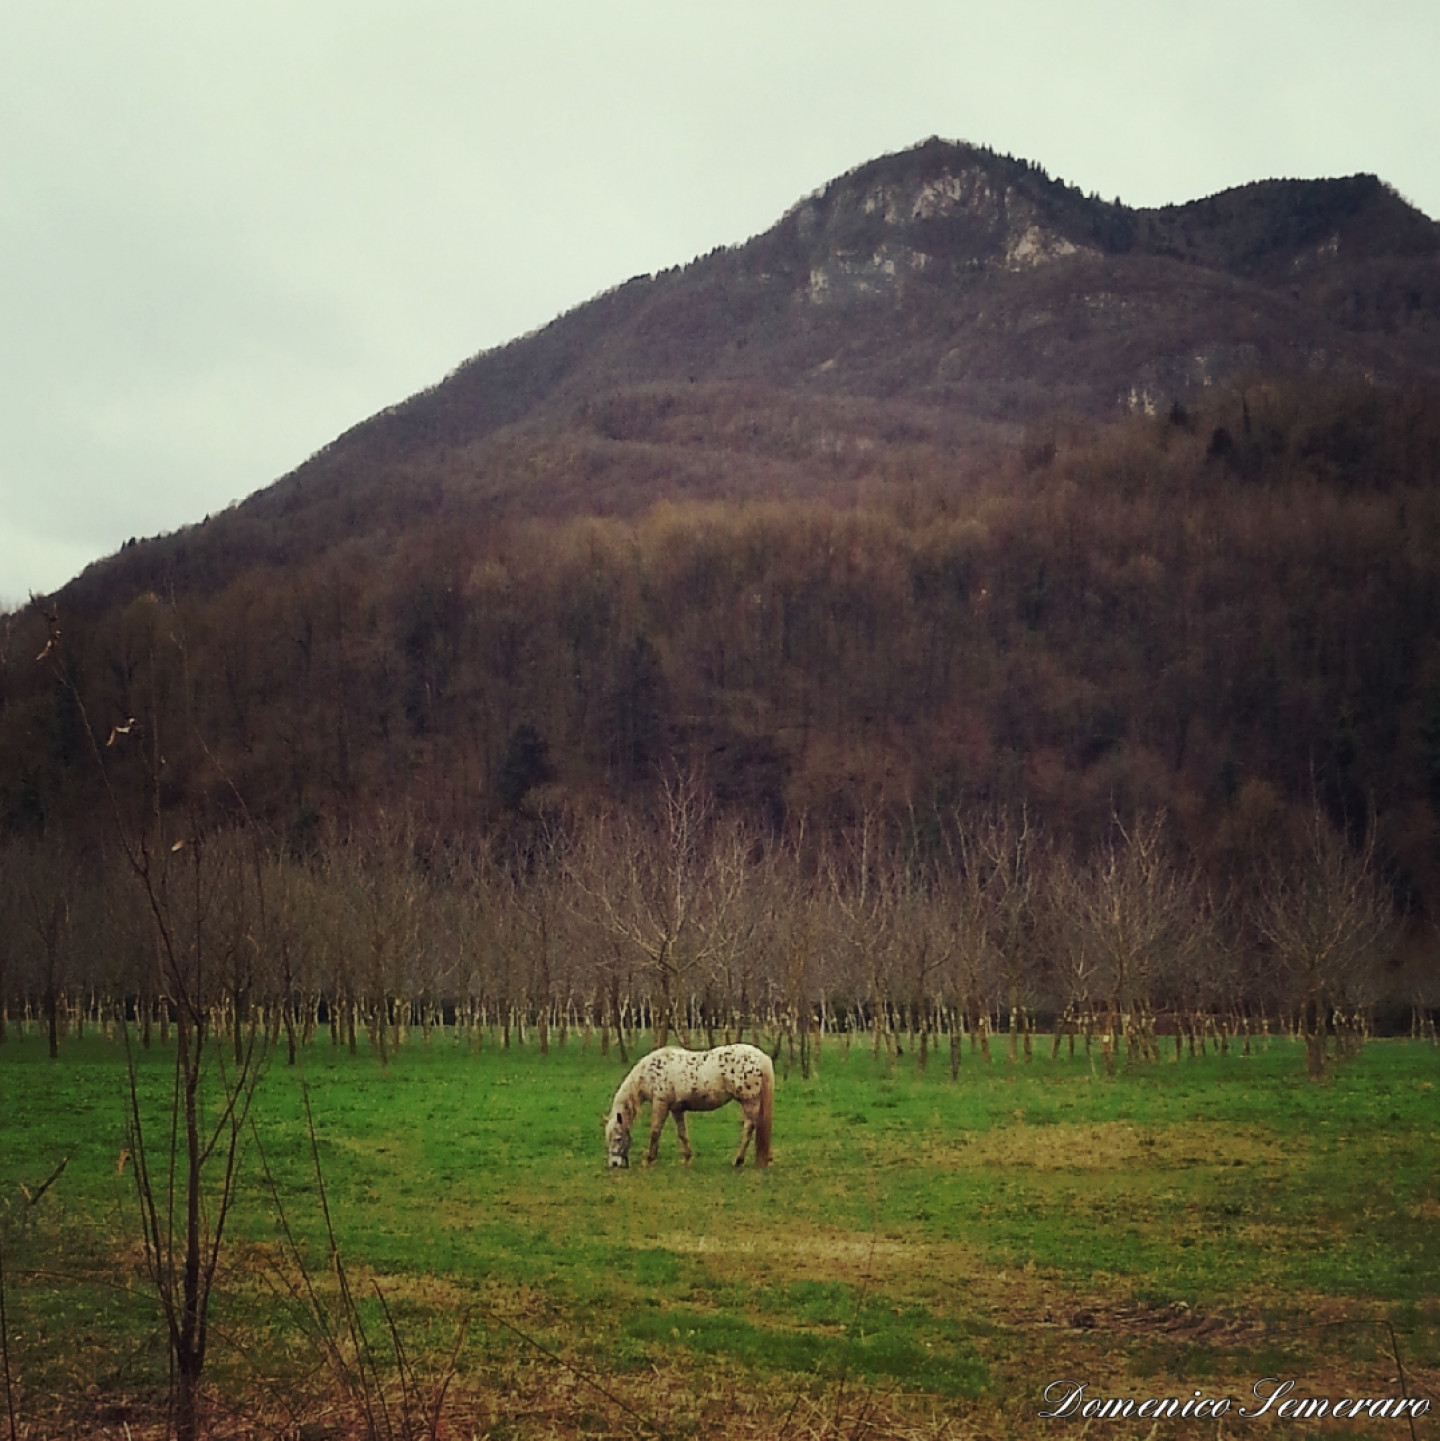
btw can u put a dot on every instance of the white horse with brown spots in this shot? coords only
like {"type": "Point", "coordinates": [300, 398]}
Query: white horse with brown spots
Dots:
{"type": "Point", "coordinates": [675, 1081]}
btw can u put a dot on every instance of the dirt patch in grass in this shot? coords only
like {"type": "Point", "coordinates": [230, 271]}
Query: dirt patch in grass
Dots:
{"type": "Point", "coordinates": [1102, 1146]}
{"type": "Point", "coordinates": [849, 1252]}
{"type": "Point", "coordinates": [1028, 1298]}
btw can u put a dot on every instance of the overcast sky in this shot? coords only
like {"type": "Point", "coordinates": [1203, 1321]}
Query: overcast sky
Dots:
{"type": "Point", "coordinates": [229, 231]}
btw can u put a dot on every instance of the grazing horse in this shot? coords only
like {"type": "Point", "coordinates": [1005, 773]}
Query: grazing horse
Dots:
{"type": "Point", "coordinates": [675, 1080]}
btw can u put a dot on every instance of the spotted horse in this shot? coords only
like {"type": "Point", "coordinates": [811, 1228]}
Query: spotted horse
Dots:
{"type": "Point", "coordinates": [675, 1081]}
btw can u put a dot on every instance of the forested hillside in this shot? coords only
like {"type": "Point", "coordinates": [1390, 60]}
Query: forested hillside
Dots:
{"type": "Point", "coordinates": [1160, 612]}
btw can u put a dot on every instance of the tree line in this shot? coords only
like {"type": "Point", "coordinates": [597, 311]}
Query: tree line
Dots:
{"type": "Point", "coordinates": [685, 922]}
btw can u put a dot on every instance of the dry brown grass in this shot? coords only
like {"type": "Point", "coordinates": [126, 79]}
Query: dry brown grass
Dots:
{"type": "Point", "coordinates": [1098, 1146]}
{"type": "Point", "coordinates": [1120, 1351]}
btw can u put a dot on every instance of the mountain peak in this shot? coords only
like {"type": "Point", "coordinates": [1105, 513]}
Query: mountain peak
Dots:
{"type": "Point", "coordinates": [969, 287]}
{"type": "Point", "coordinates": [942, 202]}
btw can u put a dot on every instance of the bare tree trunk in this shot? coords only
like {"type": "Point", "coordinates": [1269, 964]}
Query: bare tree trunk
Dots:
{"type": "Point", "coordinates": [52, 1020]}
{"type": "Point", "coordinates": [190, 1341]}
{"type": "Point", "coordinates": [1313, 1024]}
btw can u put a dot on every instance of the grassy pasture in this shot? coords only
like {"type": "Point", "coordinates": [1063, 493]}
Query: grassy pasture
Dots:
{"type": "Point", "coordinates": [923, 1257]}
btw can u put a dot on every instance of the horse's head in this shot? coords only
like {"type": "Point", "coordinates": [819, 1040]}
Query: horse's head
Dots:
{"type": "Point", "coordinates": [617, 1139]}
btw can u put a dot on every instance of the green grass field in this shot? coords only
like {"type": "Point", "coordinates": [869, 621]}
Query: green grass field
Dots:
{"type": "Point", "coordinates": [922, 1259]}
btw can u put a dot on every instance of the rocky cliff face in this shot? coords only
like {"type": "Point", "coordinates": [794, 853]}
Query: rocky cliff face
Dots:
{"type": "Point", "coordinates": [868, 234]}
{"type": "Point", "coordinates": [1001, 226]}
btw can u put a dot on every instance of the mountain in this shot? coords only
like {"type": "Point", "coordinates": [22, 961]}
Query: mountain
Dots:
{"type": "Point", "coordinates": [955, 488]}
{"type": "Point", "coordinates": [961, 280]}
{"type": "Point", "coordinates": [945, 295]}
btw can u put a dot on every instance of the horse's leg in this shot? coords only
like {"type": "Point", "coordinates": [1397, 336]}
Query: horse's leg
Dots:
{"type": "Point", "coordinates": [685, 1151]}
{"type": "Point", "coordinates": [746, 1131]}
{"type": "Point", "coordinates": [658, 1111]}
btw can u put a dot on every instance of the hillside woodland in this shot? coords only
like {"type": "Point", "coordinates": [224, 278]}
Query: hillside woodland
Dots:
{"type": "Point", "coordinates": [968, 605]}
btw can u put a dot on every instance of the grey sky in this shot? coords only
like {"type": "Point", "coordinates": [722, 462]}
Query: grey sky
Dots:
{"type": "Point", "coordinates": [228, 231]}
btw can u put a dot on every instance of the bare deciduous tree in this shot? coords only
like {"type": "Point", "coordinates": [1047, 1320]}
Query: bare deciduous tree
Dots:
{"type": "Point", "coordinates": [663, 884]}
{"type": "Point", "coordinates": [44, 887]}
{"type": "Point", "coordinates": [1128, 915]}
{"type": "Point", "coordinates": [858, 881]}
{"type": "Point", "coordinates": [1330, 921]}
{"type": "Point", "coordinates": [996, 905]}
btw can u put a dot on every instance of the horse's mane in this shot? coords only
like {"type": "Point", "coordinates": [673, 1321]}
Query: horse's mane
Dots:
{"type": "Point", "coordinates": [630, 1096]}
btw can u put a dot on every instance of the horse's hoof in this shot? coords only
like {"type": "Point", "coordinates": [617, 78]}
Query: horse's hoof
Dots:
{"type": "Point", "coordinates": [739, 1161]}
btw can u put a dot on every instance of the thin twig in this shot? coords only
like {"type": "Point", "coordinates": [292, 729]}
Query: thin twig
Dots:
{"type": "Point", "coordinates": [31, 1197]}
{"type": "Point", "coordinates": [312, 1301]}
{"type": "Point", "coordinates": [1394, 1351]}
{"type": "Point", "coordinates": [5, 1350]}
{"type": "Point", "coordinates": [577, 1371]}
{"type": "Point", "coordinates": [354, 1325]}
{"type": "Point", "coordinates": [402, 1362]}
{"type": "Point", "coordinates": [451, 1367]}
{"type": "Point", "coordinates": [415, 1412]}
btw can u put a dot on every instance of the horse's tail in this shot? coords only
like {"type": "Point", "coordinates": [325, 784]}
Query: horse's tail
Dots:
{"type": "Point", "coordinates": [767, 1114]}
